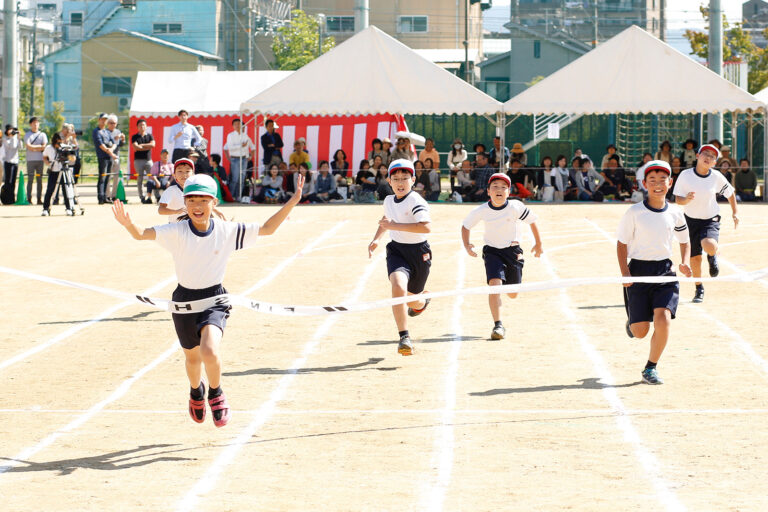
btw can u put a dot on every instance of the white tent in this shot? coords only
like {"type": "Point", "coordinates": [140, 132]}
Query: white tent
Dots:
{"type": "Point", "coordinates": [762, 95]}
{"type": "Point", "coordinates": [633, 72]}
{"type": "Point", "coordinates": [203, 93]}
{"type": "Point", "coordinates": [371, 73]}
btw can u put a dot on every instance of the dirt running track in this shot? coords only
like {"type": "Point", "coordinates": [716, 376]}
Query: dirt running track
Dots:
{"type": "Point", "coordinates": [327, 415]}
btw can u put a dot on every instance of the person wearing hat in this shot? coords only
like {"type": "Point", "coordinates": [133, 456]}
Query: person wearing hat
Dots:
{"type": "Point", "coordinates": [726, 157]}
{"type": "Point", "coordinates": [495, 151]}
{"type": "Point", "coordinates": [646, 238]}
{"type": "Point", "coordinates": [502, 253]}
{"type": "Point", "coordinates": [688, 155]}
{"type": "Point", "coordinates": [201, 247]}
{"type": "Point", "coordinates": [696, 191]}
{"type": "Point", "coordinates": [386, 148]}
{"type": "Point", "coordinates": [409, 257]}
{"type": "Point", "coordinates": [103, 142]}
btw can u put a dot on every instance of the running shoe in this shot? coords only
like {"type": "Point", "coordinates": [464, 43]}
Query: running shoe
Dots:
{"type": "Point", "coordinates": [45, 213]}
{"type": "Point", "coordinates": [417, 312]}
{"type": "Point", "coordinates": [220, 410]}
{"type": "Point", "coordinates": [405, 347]}
{"type": "Point", "coordinates": [197, 408]}
{"type": "Point", "coordinates": [714, 268]}
{"type": "Point", "coordinates": [498, 332]}
{"type": "Point", "coordinates": [651, 376]}
{"type": "Point", "coordinates": [699, 296]}
{"type": "Point", "coordinates": [629, 331]}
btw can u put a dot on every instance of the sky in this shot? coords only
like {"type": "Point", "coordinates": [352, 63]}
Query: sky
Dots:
{"type": "Point", "coordinates": [681, 15]}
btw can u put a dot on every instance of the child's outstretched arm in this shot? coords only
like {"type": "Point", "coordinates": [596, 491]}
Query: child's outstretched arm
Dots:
{"type": "Point", "coordinates": [375, 242]}
{"type": "Point", "coordinates": [467, 245]}
{"type": "Point", "coordinates": [125, 220]}
{"type": "Point", "coordinates": [163, 209]}
{"type": "Point", "coordinates": [275, 220]}
{"type": "Point", "coordinates": [537, 249]}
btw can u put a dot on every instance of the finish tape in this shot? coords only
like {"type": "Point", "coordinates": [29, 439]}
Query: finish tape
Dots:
{"type": "Point", "coordinates": [298, 310]}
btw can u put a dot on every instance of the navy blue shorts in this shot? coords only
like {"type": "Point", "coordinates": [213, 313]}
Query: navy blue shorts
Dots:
{"type": "Point", "coordinates": [641, 299]}
{"type": "Point", "coordinates": [505, 264]}
{"type": "Point", "coordinates": [412, 259]}
{"type": "Point", "coordinates": [699, 229]}
{"type": "Point", "coordinates": [188, 326]}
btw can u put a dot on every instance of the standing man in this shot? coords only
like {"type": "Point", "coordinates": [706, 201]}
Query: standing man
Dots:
{"type": "Point", "coordinates": [696, 190]}
{"type": "Point", "coordinates": [182, 135]}
{"type": "Point", "coordinates": [119, 139]}
{"type": "Point", "coordinates": [272, 144]}
{"type": "Point", "coordinates": [238, 150]}
{"type": "Point", "coordinates": [142, 143]}
{"type": "Point", "coordinates": [35, 142]}
{"type": "Point", "coordinates": [103, 142]}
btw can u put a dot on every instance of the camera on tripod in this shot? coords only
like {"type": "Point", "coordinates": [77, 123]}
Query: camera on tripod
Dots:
{"type": "Point", "coordinates": [66, 155]}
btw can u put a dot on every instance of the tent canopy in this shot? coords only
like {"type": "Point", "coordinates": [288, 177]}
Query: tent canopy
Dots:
{"type": "Point", "coordinates": [762, 95]}
{"type": "Point", "coordinates": [371, 73]}
{"type": "Point", "coordinates": [202, 93]}
{"type": "Point", "coordinates": [633, 72]}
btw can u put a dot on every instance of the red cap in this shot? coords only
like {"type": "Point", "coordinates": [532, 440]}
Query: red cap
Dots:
{"type": "Point", "coordinates": [183, 161]}
{"type": "Point", "coordinates": [500, 176]}
{"type": "Point", "coordinates": [710, 147]}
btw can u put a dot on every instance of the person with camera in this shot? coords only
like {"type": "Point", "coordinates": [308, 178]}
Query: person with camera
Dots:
{"type": "Point", "coordinates": [103, 142]}
{"type": "Point", "coordinates": [35, 142]}
{"type": "Point", "coordinates": [10, 158]}
{"type": "Point", "coordinates": [51, 160]}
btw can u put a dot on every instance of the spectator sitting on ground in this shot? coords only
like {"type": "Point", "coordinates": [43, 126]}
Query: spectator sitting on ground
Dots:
{"type": "Point", "coordinates": [677, 168]}
{"type": "Point", "coordinates": [421, 179]}
{"type": "Point", "coordinates": [456, 156]}
{"type": "Point", "coordinates": [288, 180]}
{"type": "Point", "coordinates": [403, 150]}
{"type": "Point", "coordinates": [366, 186]}
{"type": "Point", "coordinates": [299, 155]}
{"type": "Point", "coordinates": [271, 186]}
{"type": "Point", "coordinates": [464, 181]}
{"type": "Point", "coordinates": [561, 178]}
{"type": "Point", "coordinates": [745, 181]}
{"type": "Point", "coordinates": [665, 152]}
{"type": "Point", "coordinates": [386, 146]}
{"type": "Point", "coordinates": [159, 177]}
{"type": "Point", "coordinates": [434, 180]}
{"type": "Point", "coordinates": [483, 172]}
{"type": "Point", "coordinates": [325, 185]}
{"type": "Point", "coordinates": [616, 183]}
{"type": "Point", "coordinates": [377, 149]}
{"type": "Point", "coordinates": [725, 170]}
{"type": "Point", "coordinates": [541, 175]}
{"type": "Point", "coordinates": [383, 188]}
{"type": "Point", "coordinates": [309, 184]}
{"type": "Point", "coordinates": [688, 156]}
{"type": "Point", "coordinates": [725, 151]}
{"type": "Point", "coordinates": [340, 166]}
{"type": "Point", "coordinates": [521, 186]}
{"type": "Point", "coordinates": [610, 150]}
{"type": "Point", "coordinates": [430, 152]}
{"type": "Point", "coordinates": [378, 161]}
{"type": "Point", "coordinates": [640, 173]}
{"type": "Point", "coordinates": [588, 182]}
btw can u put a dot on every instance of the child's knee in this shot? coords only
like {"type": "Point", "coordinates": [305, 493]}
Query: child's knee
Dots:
{"type": "Point", "coordinates": [193, 355]}
{"type": "Point", "coordinates": [640, 329]}
{"type": "Point", "coordinates": [511, 295]}
{"type": "Point", "coordinates": [662, 317]}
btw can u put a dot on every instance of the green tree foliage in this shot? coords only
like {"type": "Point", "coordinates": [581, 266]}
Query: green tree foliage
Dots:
{"type": "Point", "coordinates": [25, 87]}
{"type": "Point", "coordinates": [54, 119]}
{"type": "Point", "coordinates": [737, 46]}
{"type": "Point", "coordinates": [298, 43]}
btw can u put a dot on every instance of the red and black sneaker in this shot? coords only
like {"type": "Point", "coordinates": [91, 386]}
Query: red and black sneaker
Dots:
{"type": "Point", "coordinates": [220, 410]}
{"type": "Point", "coordinates": [417, 312]}
{"type": "Point", "coordinates": [197, 408]}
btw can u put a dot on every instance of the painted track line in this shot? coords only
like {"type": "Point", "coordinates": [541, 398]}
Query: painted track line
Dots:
{"type": "Point", "coordinates": [79, 327]}
{"type": "Point", "coordinates": [208, 481]}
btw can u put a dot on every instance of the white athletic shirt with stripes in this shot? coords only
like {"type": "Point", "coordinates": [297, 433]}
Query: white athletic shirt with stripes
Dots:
{"type": "Point", "coordinates": [650, 233]}
{"type": "Point", "coordinates": [201, 258]}
{"type": "Point", "coordinates": [411, 209]}
{"type": "Point", "coordinates": [705, 189]}
{"type": "Point", "coordinates": [173, 198]}
{"type": "Point", "coordinates": [501, 224]}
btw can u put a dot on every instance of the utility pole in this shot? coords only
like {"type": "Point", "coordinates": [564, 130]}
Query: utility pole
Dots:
{"type": "Point", "coordinates": [361, 15]}
{"type": "Point", "coordinates": [33, 66]}
{"type": "Point", "coordinates": [249, 34]}
{"type": "Point", "coordinates": [663, 20]}
{"type": "Point", "coordinates": [467, 74]}
{"type": "Point", "coordinates": [715, 121]}
{"type": "Point", "coordinates": [320, 31]}
{"type": "Point", "coordinates": [10, 63]}
{"type": "Point", "coordinates": [594, 37]}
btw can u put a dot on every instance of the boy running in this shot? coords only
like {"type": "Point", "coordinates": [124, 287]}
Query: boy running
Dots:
{"type": "Point", "coordinates": [502, 253]}
{"type": "Point", "coordinates": [646, 235]}
{"type": "Point", "coordinates": [696, 189]}
{"type": "Point", "coordinates": [200, 248]}
{"type": "Point", "coordinates": [406, 216]}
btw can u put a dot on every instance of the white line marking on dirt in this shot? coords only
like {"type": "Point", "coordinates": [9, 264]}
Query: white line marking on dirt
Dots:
{"type": "Point", "coordinates": [363, 412]}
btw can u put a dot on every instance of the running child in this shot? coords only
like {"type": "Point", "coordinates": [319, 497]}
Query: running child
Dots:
{"type": "Point", "coordinates": [200, 248]}
{"type": "Point", "coordinates": [646, 236]}
{"type": "Point", "coordinates": [406, 217]}
{"type": "Point", "coordinates": [502, 253]}
{"type": "Point", "coordinates": [171, 202]}
{"type": "Point", "coordinates": [696, 190]}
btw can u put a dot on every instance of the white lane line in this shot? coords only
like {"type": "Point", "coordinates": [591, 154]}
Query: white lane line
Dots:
{"type": "Point", "coordinates": [208, 481]}
{"type": "Point", "coordinates": [363, 412]}
{"type": "Point", "coordinates": [648, 461]}
{"type": "Point", "coordinates": [743, 242]}
{"type": "Point", "coordinates": [28, 453]}
{"type": "Point", "coordinates": [434, 497]}
{"type": "Point", "coordinates": [79, 327]}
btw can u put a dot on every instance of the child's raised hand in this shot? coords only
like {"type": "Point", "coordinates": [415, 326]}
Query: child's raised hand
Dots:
{"type": "Point", "coordinates": [372, 247]}
{"type": "Point", "coordinates": [121, 215]}
{"type": "Point", "coordinates": [537, 250]}
{"type": "Point", "coordinates": [470, 250]}
{"type": "Point", "coordinates": [299, 187]}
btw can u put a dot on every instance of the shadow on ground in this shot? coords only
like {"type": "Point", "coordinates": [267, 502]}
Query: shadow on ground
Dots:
{"type": "Point", "coordinates": [445, 338]}
{"type": "Point", "coordinates": [370, 364]}
{"type": "Point", "coordinates": [591, 383]}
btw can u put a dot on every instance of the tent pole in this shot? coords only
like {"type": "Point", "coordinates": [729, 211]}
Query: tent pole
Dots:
{"type": "Point", "coordinates": [501, 128]}
{"type": "Point", "coordinates": [734, 136]}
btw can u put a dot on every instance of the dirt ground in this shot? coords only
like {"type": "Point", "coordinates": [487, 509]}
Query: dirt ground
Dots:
{"type": "Point", "coordinates": [327, 415]}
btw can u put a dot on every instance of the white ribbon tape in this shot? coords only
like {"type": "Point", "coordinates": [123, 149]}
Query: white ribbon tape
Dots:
{"type": "Point", "coordinates": [298, 310]}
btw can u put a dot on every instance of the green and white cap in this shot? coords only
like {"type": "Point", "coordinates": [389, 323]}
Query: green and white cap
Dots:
{"type": "Point", "coordinates": [200, 185]}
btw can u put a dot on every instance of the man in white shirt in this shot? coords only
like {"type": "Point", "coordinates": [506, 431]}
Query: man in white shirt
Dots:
{"type": "Point", "coordinates": [182, 135]}
{"type": "Point", "coordinates": [238, 150]}
{"type": "Point", "coordinates": [696, 190]}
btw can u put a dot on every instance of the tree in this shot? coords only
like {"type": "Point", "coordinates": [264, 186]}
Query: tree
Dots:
{"type": "Point", "coordinates": [737, 46]}
{"type": "Point", "coordinates": [298, 43]}
{"type": "Point", "coordinates": [25, 87]}
{"type": "Point", "coordinates": [54, 119]}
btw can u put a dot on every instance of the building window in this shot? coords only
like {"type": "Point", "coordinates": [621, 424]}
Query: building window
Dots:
{"type": "Point", "coordinates": [46, 7]}
{"type": "Point", "coordinates": [408, 24]}
{"type": "Point", "coordinates": [76, 19]}
{"type": "Point", "coordinates": [166, 28]}
{"type": "Point", "coordinates": [537, 49]}
{"type": "Point", "coordinates": [115, 86]}
{"type": "Point", "coordinates": [340, 23]}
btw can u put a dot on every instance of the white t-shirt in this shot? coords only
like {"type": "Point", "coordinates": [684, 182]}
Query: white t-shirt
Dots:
{"type": "Point", "coordinates": [173, 198]}
{"type": "Point", "coordinates": [650, 233]}
{"type": "Point", "coordinates": [50, 153]}
{"type": "Point", "coordinates": [235, 144]}
{"type": "Point", "coordinates": [201, 258]}
{"type": "Point", "coordinates": [500, 223]}
{"type": "Point", "coordinates": [705, 188]}
{"type": "Point", "coordinates": [411, 209]}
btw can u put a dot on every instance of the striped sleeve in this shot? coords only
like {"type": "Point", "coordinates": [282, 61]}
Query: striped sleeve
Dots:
{"type": "Point", "coordinates": [420, 212]}
{"type": "Point", "coordinates": [524, 214]}
{"type": "Point", "coordinates": [246, 235]}
{"type": "Point", "coordinates": [681, 229]}
{"type": "Point", "coordinates": [726, 189]}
